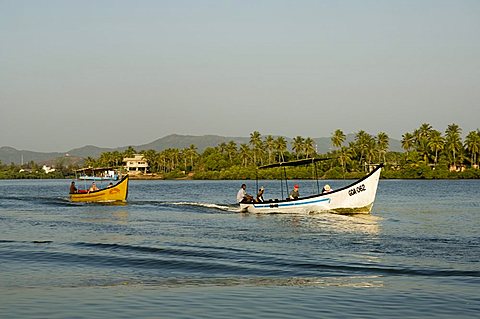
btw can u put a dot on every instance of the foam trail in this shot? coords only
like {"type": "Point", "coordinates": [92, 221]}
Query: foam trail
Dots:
{"type": "Point", "coordinates": [228, 208]}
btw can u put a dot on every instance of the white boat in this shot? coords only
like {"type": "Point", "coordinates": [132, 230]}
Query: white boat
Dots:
{"type": "Point", "coordinates": [357, 197]}
{"type": "Point", "coordinates": [98, 174]}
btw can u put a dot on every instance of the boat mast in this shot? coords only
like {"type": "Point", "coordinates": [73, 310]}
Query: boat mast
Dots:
{"type": "Point", "coordinates": [316, 177]}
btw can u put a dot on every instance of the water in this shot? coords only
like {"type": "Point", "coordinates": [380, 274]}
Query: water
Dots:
{"type": "Point", "coordinates": [180, 249]}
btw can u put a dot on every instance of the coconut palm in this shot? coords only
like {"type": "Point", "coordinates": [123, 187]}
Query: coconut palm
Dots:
{"type": "Point", "coordinates": [150, 156]}
{"type": "Point", "coordinates": [117, 158]}
{"type": "Point", "coordinates": [408, 141]}
{"type": "Point", "coordinates": [363, 144]}
{"type": "Point", "coordinates": [244, 154]}
{"type": "Point", "coordinates": [191, 153]}
{"type": "Point", "coordinates": [344, 156]}
{"type": "Point", "coordinates": [423, 131]}
{"type": "Point", "coordinates": [338, 138]}
{"type": "Point", "coordinates": [309, 147]}
{"type": "Point", "coordinates": [472, 145]}
{"type": "Point", "coordinates": [281, 148]}
{"type": "Point", "coordinates": [436, 143]}
{"type": "Point", "coordinates": [256, 143]}
{"type": "Point", "coordinates": [231, 150]}
{"type": "Point", "coordinates": [453, 142]}
{"type": "Point", "coordinates": [90, 162]}
{"type": "Point", "coordinates": [297, 146]}
{"type": "Point", "coordinates": [382, 145]}
{"type": "Point", "coordinates": [129, 152]}
{"type": "Point", "coordinates": [270, 144]}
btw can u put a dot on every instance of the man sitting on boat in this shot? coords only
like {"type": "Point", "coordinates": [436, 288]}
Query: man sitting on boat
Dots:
{"type": "Point", "coordinates": [243, 196]}
{"type": "Point", "coordinates": [259, 198]}
{"type": "Point", "coordinates": [326, 189]}
{"type": "Point", "coordinates": [73, 188]}
{"type": "Point", "coordinates": [294, 194]}
{"type": "Point", "coordinates": [93, 187]}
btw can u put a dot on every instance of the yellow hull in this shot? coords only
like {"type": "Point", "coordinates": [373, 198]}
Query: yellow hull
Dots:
{"type": "Point", "coordinates": [117, 192]}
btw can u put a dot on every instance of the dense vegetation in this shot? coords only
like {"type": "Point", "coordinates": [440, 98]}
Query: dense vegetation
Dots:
{"type": "Point", "coordinates": [428, 154]}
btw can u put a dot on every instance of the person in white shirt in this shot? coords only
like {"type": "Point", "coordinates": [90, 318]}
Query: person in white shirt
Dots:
{"type": "Point", "coordinates": [243, 196]}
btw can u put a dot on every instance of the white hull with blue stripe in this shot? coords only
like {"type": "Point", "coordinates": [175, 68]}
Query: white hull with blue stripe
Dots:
{"type": "Point", "coordinates": [355, 198]}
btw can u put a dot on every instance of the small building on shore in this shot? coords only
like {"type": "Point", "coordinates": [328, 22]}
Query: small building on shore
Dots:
{"type": "Point", "coordinates": [136, 165]}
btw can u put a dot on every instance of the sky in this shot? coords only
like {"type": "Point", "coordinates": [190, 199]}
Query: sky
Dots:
{"type": "Point", "coordinates": [115, 73]}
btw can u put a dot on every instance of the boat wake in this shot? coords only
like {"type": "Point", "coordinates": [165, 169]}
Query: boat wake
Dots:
{"type": "Point", "coordinates": [224, 208]}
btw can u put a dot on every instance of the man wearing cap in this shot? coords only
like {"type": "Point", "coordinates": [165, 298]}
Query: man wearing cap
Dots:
{"type": "Point", "coordinates": [294, 194]}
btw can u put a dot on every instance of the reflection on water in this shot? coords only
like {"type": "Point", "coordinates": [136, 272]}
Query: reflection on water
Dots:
{"type": "Point", "coordinates": [348, 281]}
{"type": "Point", "coordinates": [360, 223]}
{"type": "Point", "coordinates": [113, 217]}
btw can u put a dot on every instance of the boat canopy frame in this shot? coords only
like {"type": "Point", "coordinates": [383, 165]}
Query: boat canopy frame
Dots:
{"type": "Point", "coordinates": [302, 162]}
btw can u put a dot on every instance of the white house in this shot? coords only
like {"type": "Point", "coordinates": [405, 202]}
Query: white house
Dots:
{"type": "Point", "coordinates": [136, 164]}
{"type": "Point", "coordinates": [48, 169]}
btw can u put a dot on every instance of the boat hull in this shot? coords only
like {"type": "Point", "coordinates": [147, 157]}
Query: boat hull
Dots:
{"type": "Point", "coordinates": [115, 193]}
{"type": "Point", "coordinates": [355, 198]}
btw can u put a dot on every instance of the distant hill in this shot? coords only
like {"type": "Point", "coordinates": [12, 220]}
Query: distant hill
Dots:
{"type": "Point", "coordinates": [184, 141]}
{"type": "Point", "coordinates": [11, 155]}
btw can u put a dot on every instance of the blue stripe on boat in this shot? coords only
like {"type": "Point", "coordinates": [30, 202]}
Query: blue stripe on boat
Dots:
{"type": "Point", "coordinates": [292, 203]}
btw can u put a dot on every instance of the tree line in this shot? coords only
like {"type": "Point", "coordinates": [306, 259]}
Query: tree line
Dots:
{"type": "Point", "coordinates": [428, 154]}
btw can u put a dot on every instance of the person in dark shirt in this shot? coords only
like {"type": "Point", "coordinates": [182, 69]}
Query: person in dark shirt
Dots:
{"type": "Point", "coordinates": [294, 194]}
{"type": "Point", "coordinates": [73, 188]}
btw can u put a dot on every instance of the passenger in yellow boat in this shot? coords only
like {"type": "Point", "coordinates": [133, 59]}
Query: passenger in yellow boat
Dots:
{"type": "Point", "coordinates": [294, 194]}
{"type": "Point", "coordinates": [110, 185]}
{"type": "Point", "coordinates": [259, 198]}
{"type": "Point", "coordinates": [93, 187]}
{"type": "Point", "coordinates": [73, 188]}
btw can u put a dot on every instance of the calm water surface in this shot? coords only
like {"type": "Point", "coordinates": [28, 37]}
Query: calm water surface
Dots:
{"type": "Point", "coordinates": [180, 249]}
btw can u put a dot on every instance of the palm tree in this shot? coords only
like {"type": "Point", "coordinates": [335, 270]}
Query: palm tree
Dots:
{"type": "Point", "coordinates": [281, 148]}
{"type": "Point", "coordinates": [244, 154]}
{"type": "Point", "coordinates": [90, 162]}
{"type": "Point", "coordinates": [362, 143]}
{"type": "Point", "coordinates": [270, 143]}
{"type": "Point", "coordinates": [453, 142]}
{"type": "Point", "coordinates": [150, 156]}
{"type": "Point", "coordinates": [344, 156]}
{"type": "Point", "coordinates": [117, 158]}
{"type": "Point", "coordinates": [422, 137]}
{"type": "Point", "coordinates": [297, 145]}
{"type": "Point", "coordinates": [129, 152]}
{"type": "Point", "coordinates": [338, 138]}
{"type": "Point", "coordinates": [308, 147]}
{"type": "Point", "coordinates": [472, 144]}
{"type": "Point", "coordinates": [231, 150]}
{"type": "Point", "coordinates": [436, 143]}
{"type": "Point", "coordinates": [424, 130]}
{"type": "Point", "coordinates": [191, 153]}
{"type": "Point", "coordinates": [382, 145]}
{"type": "Point", "coordinates": [407, 142]}
{"type": "Point", "coordinates": [222, 147]}
{"type": "Point", "coordinates": [256, 143]}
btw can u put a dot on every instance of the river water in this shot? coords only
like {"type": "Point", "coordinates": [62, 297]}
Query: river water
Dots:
{"type": "Point", "coordinates": [181, 249]}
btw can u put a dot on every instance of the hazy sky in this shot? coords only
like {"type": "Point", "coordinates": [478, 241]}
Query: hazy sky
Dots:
{"type": "Point", "coordinates": [116, 73]}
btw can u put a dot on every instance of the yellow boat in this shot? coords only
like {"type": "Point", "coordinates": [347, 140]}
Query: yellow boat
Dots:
{"type": "Point", "coordinates": [115, 193]}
